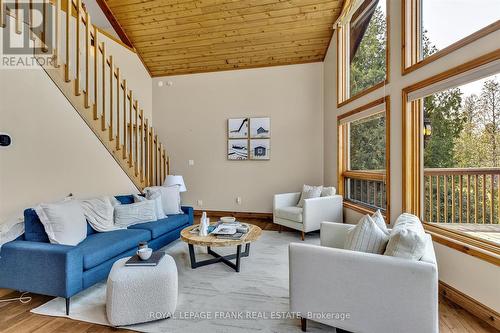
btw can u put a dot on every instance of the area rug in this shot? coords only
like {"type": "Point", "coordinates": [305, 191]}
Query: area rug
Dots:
{"type": "Point", "coordinates": [214, 298]}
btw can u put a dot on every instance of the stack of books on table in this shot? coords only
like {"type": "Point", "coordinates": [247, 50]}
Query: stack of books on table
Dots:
{"type": "Point", "coordinates": [233, 230]}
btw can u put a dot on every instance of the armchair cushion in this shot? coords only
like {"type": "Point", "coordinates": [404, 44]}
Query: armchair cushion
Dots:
{"type": "Point", "coordinates": [366, 236]}
{"type": "Point", "coordinates": [309, 192]}
{"type": "Point", "coordinates": [290, 213]}
{"type": "Point", "coordinates": [407, 238]}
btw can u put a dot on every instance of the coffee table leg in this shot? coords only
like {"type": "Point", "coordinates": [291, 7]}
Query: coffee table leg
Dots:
{"type": "Point", "coordinates": [191, 256]}
{"type": "Point", "coordinates": [238, 258]}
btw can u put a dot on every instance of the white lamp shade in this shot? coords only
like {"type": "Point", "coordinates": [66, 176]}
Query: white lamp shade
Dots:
{"type": "Point", "coordinates": [175, 180]}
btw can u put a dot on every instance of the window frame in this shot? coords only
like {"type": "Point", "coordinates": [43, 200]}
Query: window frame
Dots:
{"type": "Point", "coordinates": [343, 150]}
{"type": "Point", "coordinates": [412, 142]}
{"type": "Point", "coordinates": [343, 65]}
{"type": "Point", "coordinates": [411, 16]}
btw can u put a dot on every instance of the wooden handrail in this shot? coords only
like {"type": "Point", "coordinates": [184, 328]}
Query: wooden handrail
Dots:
{"type": "Point", "coordinates": [105, 100]}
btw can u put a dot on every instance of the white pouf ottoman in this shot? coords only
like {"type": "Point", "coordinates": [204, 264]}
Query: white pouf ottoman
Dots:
{"type": "Point", "coordinates": [137, 294]}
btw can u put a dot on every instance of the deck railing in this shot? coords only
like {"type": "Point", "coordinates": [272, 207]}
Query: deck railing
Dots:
{"type": "Point", "coordinates": [457, 195]}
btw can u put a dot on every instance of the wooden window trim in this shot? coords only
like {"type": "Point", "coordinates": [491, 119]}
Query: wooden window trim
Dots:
{"type": "Point", "coordinates": [410, 51]}
{"type": "Point", "coordinates": [342, 64]}
{"type": "Point", "coordinates": [342, 151]}
{"type": "Point", "coordinates": [412, 165]}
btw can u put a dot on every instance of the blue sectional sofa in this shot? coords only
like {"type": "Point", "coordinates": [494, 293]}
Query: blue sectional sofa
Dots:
{"type": "Point", "coordinates": [31, 263]}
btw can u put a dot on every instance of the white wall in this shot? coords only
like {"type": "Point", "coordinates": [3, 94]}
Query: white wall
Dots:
{"type": "Point", "coordinates": [448, 273]}
{"type": "Point", "coordinates": [191, 118]}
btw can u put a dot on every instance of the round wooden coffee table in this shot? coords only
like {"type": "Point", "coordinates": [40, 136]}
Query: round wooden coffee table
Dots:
{"type": "Point", "coordinates": [210, 241]}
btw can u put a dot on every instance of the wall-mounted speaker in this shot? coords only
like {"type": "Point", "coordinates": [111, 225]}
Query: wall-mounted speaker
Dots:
{"type": "Point", "coordinates": [5, 140]}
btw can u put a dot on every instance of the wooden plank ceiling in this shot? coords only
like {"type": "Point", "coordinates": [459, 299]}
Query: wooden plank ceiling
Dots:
{"type": "Point", "coordinates": [193, 36]}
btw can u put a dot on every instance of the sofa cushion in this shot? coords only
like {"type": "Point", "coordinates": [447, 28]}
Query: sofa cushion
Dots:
{"type": "Point", "coordinates": [34, 230]}
{"type": "Point", "coordinates": [125, 199]}
{"type": "Point", "coordinates": [367, 237]}
{"type": "Point", "coordinates": [101, 246]}
{"type": "Point", "coordinates": [293, 213]}
{"type": "Point", "coordinates": [163, 226]}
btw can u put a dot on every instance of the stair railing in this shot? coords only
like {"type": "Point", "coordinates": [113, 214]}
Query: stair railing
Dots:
{"type": "Point", "coordinates": [76, 44]}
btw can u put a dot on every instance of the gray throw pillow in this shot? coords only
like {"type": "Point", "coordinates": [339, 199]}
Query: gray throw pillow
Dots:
{"type": "Point", "coordinates": [309, 192]}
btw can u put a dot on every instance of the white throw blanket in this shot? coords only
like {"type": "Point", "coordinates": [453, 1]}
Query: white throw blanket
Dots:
{"type": "Point", "coordinates": [11, 229]}
{"type": "Point", "coordinates": [99, 213]}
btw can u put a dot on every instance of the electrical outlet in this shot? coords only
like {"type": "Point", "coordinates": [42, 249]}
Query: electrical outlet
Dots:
{"type": "Point", "coordinates": [199, 203]}
{"type": "Point", "coordinates": [238, 200]}
{"type": "Point", "coordinates": [191, 162]}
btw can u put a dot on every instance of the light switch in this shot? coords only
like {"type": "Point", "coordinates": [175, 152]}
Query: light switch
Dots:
{"type": "Point", "coordinates": [191, 162]}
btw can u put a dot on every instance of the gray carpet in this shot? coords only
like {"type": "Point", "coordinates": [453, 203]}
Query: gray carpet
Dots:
{"type": "Point", "coordinates": [210, 297]}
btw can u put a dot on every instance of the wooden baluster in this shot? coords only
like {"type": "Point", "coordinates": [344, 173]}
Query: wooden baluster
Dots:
{"type": "Point", "coordinates": [168, 165]}
{"type": "Point", "coordinates": [452, 198]}
{"type": "Point", "coordinates": [158, 161]}
{"type": "Point", "coordinates": [461, 197]}
{"type": "Point", "coordinates": [57, 33]}
{"type": "Point", "coordinates": [77, 62]}
{"type": "Point", "coordinates": [484, 199]}
{"type": "Point", "coordinates": [445, 199]}
{"type": "Point", "coordinates": [151, 157]}
{"type": "Point", "coordinates": [118, 123]}
{"type": "Point", "coordinates": [155, 140]}
{"type": "Point", "coordinates": [136, 135]}
{"type": "Point", "coordinates": [131, 107]}
{"type": "Point", "coordinates": [69, 5]}
{"type": "Point", "coordinates": [103, 97]}
{"type": "Point", "coordinates": [475, 198]}
{"type": "Point", "coordinates": [30, 21]}
{"type": "Point", "coordinates": [146, 153]}
{"type": "Point", "coordinates": [498, 198]}
{"type": "Point", "coordinates": [45, 23]}
{"type": "Point", "coordinates": [468, 199]}
{"type": "Point", "coordinates": [125, 119]}
{"type": "Point", "coordinates": [87, 60]}
{"type": "Point", "coordinates": [430, 199]}
{"type": "Point", "coordinates": [96, 76]}
{"type": "Point", "coordinates": [141, 139]}
{"type": "Point", "coordinates": [438, 199]}
{"type": "Point", "coordinates": [111, 98]}
{"type": "Point", "coordinates": [2, 14]}
{"type": "Point", "coordinates": [162, 164]}
{"type": "Point", "coordinates": [18, 18]}
{"type": "Point", "coordinates": [492, 196]}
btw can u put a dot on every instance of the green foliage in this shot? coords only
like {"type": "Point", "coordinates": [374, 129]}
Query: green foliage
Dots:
{"type": "Point", "coordinates": [444, 111]}
{"type": "Point", "coordinates": [367, 143]}
{"type": "Point", "coordinates": [368, 64]}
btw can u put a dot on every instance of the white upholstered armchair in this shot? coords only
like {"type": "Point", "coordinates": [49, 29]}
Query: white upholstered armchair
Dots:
{"type": "Point", "coordinates": [306, 219]}
{"type": "Point", "coordinates": [363, 292]}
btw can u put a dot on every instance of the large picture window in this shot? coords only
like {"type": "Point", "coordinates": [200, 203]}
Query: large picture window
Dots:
{"type": "Point", "coordinates": [363, 50]}
{"type": "Point", "coordinates": [427, 37]}
{"type": "Point", "coordinates": [451, 140]}
{"type": "Point", "coordinates": [363, 148]}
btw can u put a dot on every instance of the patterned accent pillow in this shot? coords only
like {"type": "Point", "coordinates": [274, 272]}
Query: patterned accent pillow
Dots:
{"type": "Point", "coordinates": [367, 237]}
{"type": "Point", "coordinates": [309, 192]}
{"type": "Point", "coordinates": [328, 191]}
{"type": "Point", "coordinates": [407, 239]}
{"type": "Point", "coordinates": [380, 221]}
{"type": "Point", "coordinates": [138, 212]}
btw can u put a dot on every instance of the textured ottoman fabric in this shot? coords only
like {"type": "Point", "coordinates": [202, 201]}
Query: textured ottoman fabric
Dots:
{"type": "Point", "coordinates": [134, 294]}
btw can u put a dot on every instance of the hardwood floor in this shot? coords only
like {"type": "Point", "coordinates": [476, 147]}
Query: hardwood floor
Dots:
{"type": "Point", "coordinates": [16, 317]}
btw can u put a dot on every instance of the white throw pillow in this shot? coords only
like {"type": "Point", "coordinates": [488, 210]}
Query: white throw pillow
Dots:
{"type": "Point", "coordinates": [99, 213]}
{"type": "Point", "coordinates": [407, 238]}
{"type": "Point", "coordinates": [309, 192]}
{"type": "Point", "coordinates": [366, 236]}
{"type": "Point", "coordinates": [156, 197]}
{"type": "Point", "coordinates": [64, 222]}
{"type": "Point", "coordinates": [380, 221]}
{"type": "Point", "coordinates": [170, 198]}
{"type": "Point", "coordinates": [139, 212]}
{"type": "Point", "coordinates": [328, 191]}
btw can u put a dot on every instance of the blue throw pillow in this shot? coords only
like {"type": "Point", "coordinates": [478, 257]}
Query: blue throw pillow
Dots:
{"type": "Point", "coordinates": [33, 227]}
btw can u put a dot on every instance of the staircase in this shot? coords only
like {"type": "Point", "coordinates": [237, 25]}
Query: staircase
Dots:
{"type": "Point", "coordinates": [86, 74]}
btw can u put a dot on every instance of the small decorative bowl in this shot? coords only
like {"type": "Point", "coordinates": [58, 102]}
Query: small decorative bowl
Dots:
{"type": "Point", "coordinates": [227, 219]}
{"type": "Point", "coordinates": [145, 253]}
